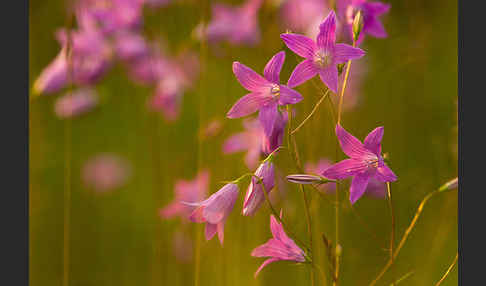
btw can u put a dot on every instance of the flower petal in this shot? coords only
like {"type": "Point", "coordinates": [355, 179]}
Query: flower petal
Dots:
{"type": "Point", "coordinates": [273, 67]}
{"type": "Point", "coordinates": [376, 8]}
{"type": "Point", "coordinates": [288, 96]}
{"type": "Point", "coordinates": [358, 186]}
{"type": "Point", "coordinates": [372, 141]}
{"type": "Point", "coordinates": [385, 174]}
{"type": "Point", "coordinates": [329, 76]}
{"type": "Point", "coordinates": [210, 230]}
{"type": "Point", "coordinates": [247, 105]}
{"type": "Point", "coordinates": [220, 204]}
{"type": "Point", "coordinates": [344, 169]}
{"type": "Point", "coordinates": [350, 145]}
{"type": "Point", "coordinates": [344, 52]}
{"type": "Point", "coordinates": [375, 28]}
{"type": "Point", "coordinates": [197, 215]}
{"type": "Point", "coordinates": [265, 263]}
{"type": "Point", "coordinates": [299, 44]}
{"type": "Point", "coordinates": [237, 142]}
{"type": "Point", "coordinates": [220, 228]}
{"type": "Point", "coordinates": [248, 78]}
{"type": "Point", "coordinates": [327, 32]}
{"type": "Point", "coordinates": [267, 116]}
{"type": "Point", "coordinates": [302, 72]}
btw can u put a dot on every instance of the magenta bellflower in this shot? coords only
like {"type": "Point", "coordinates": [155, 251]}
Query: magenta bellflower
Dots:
{"type": "Point", "coordinates": [370, 11]}
{"type": "Point", "coordinates": [365, 162]}
{"type": "Point", "coordinates": [106, 172]}
{"type": "Point", "coordinates": [215, 210]}
{"type": "Point", "coordinates": [280, 247]}
{"type": "Point", "coordinates": [322, 56]}
{"type": "Point", "coordinates": [254, 195]}
{"type": "Point", "coordinates": [76, 103]}
{"type": "Point", "coordinates": [266, 93]}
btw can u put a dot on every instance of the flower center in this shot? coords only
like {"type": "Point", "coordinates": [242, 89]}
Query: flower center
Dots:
{"type": "Point", "coordinates": [275, 90]}
{"type": "Point", "coordinates": [323, 59]}
{"type": "Point", "coordinates": [372, 163]}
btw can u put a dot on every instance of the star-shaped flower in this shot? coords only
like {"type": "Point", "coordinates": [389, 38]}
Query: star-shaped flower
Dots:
{"type": "Point", "coordinates": [266, 93]}
{"type": "Point", "coordinates": [322, 56]}
{"type": "Point", "coordinates": [365, 162]}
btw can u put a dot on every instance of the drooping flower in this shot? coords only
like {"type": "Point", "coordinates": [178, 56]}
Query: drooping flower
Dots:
{"type": "Point", "coordinates": [254, 195]}
{"type": "Point", "coordinates": [215, 210]}
{"type": "Point", "coordinates": [280, 247]}
{"type": "Point", "coordinates": [322, 56]}
{"type": "Point", "coordinates": [370, 11]}
{"type": "Point", "coordinates": [91, 58]}
{"type": "Point", "coordinates": [254, 140]}
{"type": "Point", "coordinates": [237, 25]}
{"type": "Point", "coordinates": [365, 162]}
{"type": "Point", "coordinates": [76, 103]}
{"type": "Point", "coordinates": [186, 191]}
{"type": "Point", "coordinates": [266, 93]}
{"type": "Point", "coordinates": [106, 172]}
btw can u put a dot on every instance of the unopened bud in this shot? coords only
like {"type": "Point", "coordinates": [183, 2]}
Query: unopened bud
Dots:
{"type": "Point", "coordinates": [339, 250]}
{"type": "Point", "coordinates": [451, 185]}
{"type": "Point", "coordinates": [305, 179]}
{"type": "Point", "coordinates": [357, 25]}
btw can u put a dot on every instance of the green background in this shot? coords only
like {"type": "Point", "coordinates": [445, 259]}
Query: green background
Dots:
{"type": "Point", "coordinates": [118, 239]}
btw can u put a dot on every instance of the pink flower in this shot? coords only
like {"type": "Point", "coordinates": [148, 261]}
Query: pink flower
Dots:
{"type": "Point", "coordinates": [215, 210]}
{"type": "Point", "coordinates": [292, 12]}
{"type": "Point", "coordinates": [254, 195]}
{"type": "Point", "coordinates": [266, 93]}
{"type": "Point", "coordinates": [131, 46]}
{"type": "Point", "coordinates": [75, 104]}
{"type": "Point", "coordinates": [105, 172]}
{"type": "Point", "coordinates": [278, 248]}
{"type": "Point", "coordinates": [237, 25]}
{"type": "Point", "coordinates": [187, 191]}
{"type": "Point", "coordinates": [322, 56]}
{"type": "Point", "coordinates": [365, 162]}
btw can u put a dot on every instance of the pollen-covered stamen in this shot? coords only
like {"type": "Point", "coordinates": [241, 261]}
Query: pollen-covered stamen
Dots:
{"type": "Point", "coordinates": [372, 163]}
{"type": "Point", "coordinates": [275, 90]}
{"type": "Point", "coordinates": [323, 59]}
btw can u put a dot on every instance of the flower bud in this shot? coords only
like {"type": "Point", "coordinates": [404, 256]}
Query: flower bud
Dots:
{"type": "Point", "coordinates": [357, 25]}
{"type": "Point", "coordinates": [451, 185]}
{"type": "Point", "coordinates": [303, 179]}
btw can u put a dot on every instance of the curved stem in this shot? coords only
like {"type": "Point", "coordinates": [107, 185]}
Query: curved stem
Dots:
{"type": "Point", "coordinates": [405, 236]}
{"type": "Point", "coordinates": [341, 98]}
{"type": "Point", "coordinates": [448, 270]}
{"type": "Point", "coordinates": [312, 112]}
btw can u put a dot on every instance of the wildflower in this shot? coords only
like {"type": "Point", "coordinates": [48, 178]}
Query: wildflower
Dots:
{"type": "Point", "coordinates": [76, 103]}
{"type": "Point", "coordinates": [215, 210]}
{"type": "Point", "coordinates": [237, 25]}
{"type": "Point", "coordinates": [254, 195]}
{"type": "Point", "coordinates": [187, 191]}
{"type": "Point", "coordinates": [365, 162]}
{"type": "Point", "coordinates": [322, 56]}
{"type": "Point", "coordinates": [370, 11]}
{"type": "Point", "coordinates": [304, 179]}
{"type": "Point", "coordinates": [91, 57]}
{"type": "Point", "coordinates": [130, 46]}
{"type": "Point", "coordinates": [280, 247]}
{"type": "Point", "coordinates": [266, 92]}
{"type": "Point", "coordinates": [106, 172]}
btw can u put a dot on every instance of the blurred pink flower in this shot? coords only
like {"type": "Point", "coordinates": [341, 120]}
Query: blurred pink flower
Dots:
{"type": "Point", "coordinates": [187, 191]}
{"type": "Point", "coordinates": [130, 46]}
{"type": "Point", "coordinates": [304, 16]}
{"type": "Point", "coordinates": [91, 58]}
{"type": "Point", "coordinates": [106, 172]}
{"type": "Point", "coordinates": [76, 103]}
{"type": "Point", "coordinates": [235, 24]}
{"type": "Point", "coordinates": [212, 129]}
{"type": "Point", "coordinates": [250, 140]}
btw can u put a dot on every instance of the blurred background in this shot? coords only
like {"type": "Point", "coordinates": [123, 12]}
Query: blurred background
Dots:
{"type": "Point", "coordinates": [104, 165]}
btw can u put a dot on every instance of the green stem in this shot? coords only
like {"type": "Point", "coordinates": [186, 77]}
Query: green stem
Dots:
{"type": "Point", "coordinates": [448, 270]}
{"type": "Point", "coordinates": [312, 112]}
{"type": "Point", "coordinates": [392, 234]}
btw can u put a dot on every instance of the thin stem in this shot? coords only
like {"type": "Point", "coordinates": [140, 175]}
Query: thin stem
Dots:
{"type": "Point", "coordinates": [336, 256]}
{"type": "Point", "coordinates": [392, 234]}
{"type": "Point", "coordinates": [312, 112]}
{"type": "Point", "coordinates": [341, 98]}
{"type": "Point", "coordinates": [448, 270]}
{"type": "Point", "coordinates": [309, 224]}
{"type": "Point", "coordinates": [405, 236]}
{"type": "Point", "coordinates": [402, 278]}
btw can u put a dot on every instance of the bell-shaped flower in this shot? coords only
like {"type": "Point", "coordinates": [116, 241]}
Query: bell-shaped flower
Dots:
{"type": "Point", "coordinates": [266, 93]}
{"type": "Point", "coordinates": [280, 247]}
{"type": "Point", "coordinates": [76, 103]}
{"type": "Point", "coordinates": [321, 56]}
{"type": "Point", "coordinates": [254, 195]}
{"type": "Point", "coordinates": [370, 11]}
{"type": "Point", "coordinates": [365, 162]}
{"type": "Point", "coordinates": [215, 210]}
